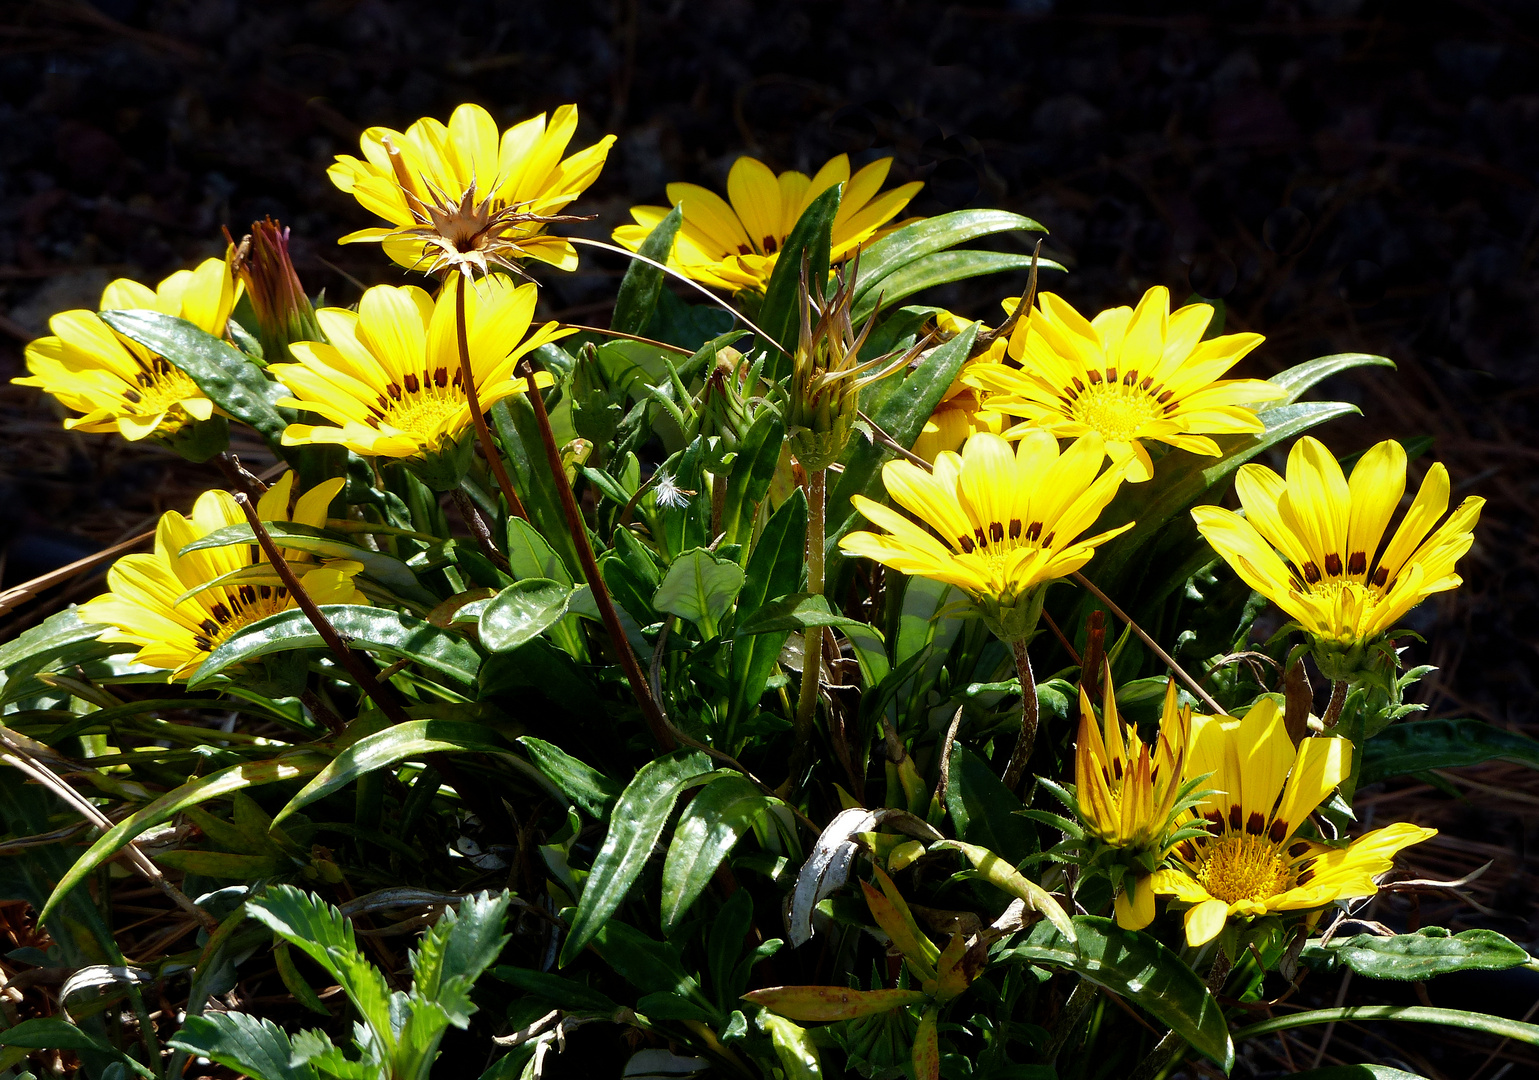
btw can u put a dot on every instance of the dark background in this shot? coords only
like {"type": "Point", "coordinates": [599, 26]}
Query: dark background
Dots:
{"type": "Point", "coordinates": [1349, 175]}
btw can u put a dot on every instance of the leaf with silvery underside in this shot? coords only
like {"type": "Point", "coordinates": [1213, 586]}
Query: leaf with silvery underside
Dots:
{"type": "Point", "coordinates": [826, 869]}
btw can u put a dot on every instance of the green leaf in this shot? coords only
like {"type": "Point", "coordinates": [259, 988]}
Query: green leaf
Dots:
{"type": "Point", "coordinates": [1420, 745]}
{"type": "Point", "coordinates": [1430, 951]}
{"type": "Point", "coordinates": [523, 449]}
{"type": "Point", "coordinates": [1357, 1072]}
{"type": "Point", "coordinates": [902, 415]}
{"type": "Point", "coordinates": [460, 946]}
{"type": "Point", "coordinates": [530, 556]}
{"type": "Point", "coordinates": [752, 471]}
{"type": "Point", "coordinates": [1137, 967]}
{"type": "Point", "coordinates": [780, 314]}
{"type": "Point", "coordinates": [775, 567]}
{"type": "Point", "coordinates": [523, 611]}
{"type": "Point", "coordinates": [901, 247]}
{"type": "Point", "coordinates": [700, 586]}
{"type": "Point", "coordinates": [49, 1033]}
{"type": "Point", "coordinates": [1499, 1026]}
{"type": "Point", "coordinates": [50, 635]}
{"type": "Point", "coordinates": [1301, 377]}
{"type": "Point", "coordinates": [797, 611]}
{"type": "Point", "coordinates": [709, 828]}
{"type": "Point", "coordinates": [370, 629]}
{"type": "Point", "coordinates": [399, 742]}
{"type": "Point", "coordinates": [653, 967]}
{"type": "Point", "coordinates": [256, 1048]}
{"type": "Point", "coordinates": [984, 810]}
{"type": "Point", "coordinates": [226, 781]}
{"type": "Point", "coordinates": [559, 992]}
{"type": "Point", "coordinates": [638, 819]}
{"type": "Point", "coordinates": [794, 1047]}
{"type": "Point", "coordinates": [320, 931]}
{"type": "Point", "coordinates": [591, 790]}
{"type": "Point", "coordinates": [637, 298]}
{"type": "Point", "coordinates": [941, 268]}
{"type": "Point", "coordinates": [389, 571]}
{"type": "Point", "coordinates": [221, 371]}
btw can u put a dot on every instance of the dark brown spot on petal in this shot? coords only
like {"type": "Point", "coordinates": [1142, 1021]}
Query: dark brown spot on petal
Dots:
{"type": "Point", "coordinates": [1079, 385]}
{"type": "Point", "coordinates": [440, 377]}
{"type": "Point", "coordinates": [203, 643]}
{"type": "Point", "coordinates": [1235, 819]}
{"type": "Point", "coordinates": [373, 422]}
{"type": "Point", "coordinates": [1033, 531]}
{"type": "Point", "coordinates": [1311, 573]}
{"type": "Point", "coordinates": [210, 625]}
{"type": "Point", "coordinates": [1333, 564]}
{"type": "Point", "coordinates": [412, 386]}
{"type": "Point", "coordinates": [1256, 823]}
{"type": "Point", "coordinates": [144, 380]}
{"type": "Point", "coordinates": [1187, 850]}
{"type": "Point", "coordinates": [966, 543]}
{"type": "Point", "coordinates": [978, 535]}
{"type": "Point", "coordinates": [770, 246]}
{"type": "Point", "coordinates": [744, 249]}
{"type": "Point", "coordinates": [1047, 541]}
{"type": "Point", "coordinates": [394, 390]}
{"type": "Point", "coordinates": [1305, 878]}
{"type": "Point", "coordinates": [1278, 831]}
{"type": "Point", "coordinates": [265, 592]}
{"type": "Point", "coordinates": [1117, 767]}
{"type": "Point", "coordinates": [1015, 528]}
{"type": "Point", "coordinates": [1094, 377]}
{"type": "Point", "coordinates": [1166, 396]}
{"type": "Point", "coordinates": [383, 402]}
{"type": "Point", "coordinates": [1357, 563]}
{"type": "Point", "coordinates": [1148, 382]}
{"type": "Point", "coordinates": [1130, 378]}
{"type": "Point", "coordinates": [1111, 375]}
{"type": "Point", "coordinates": [1300, 848]}
{"type": "Point", "coordinates": [1380, 576]}
{"type": "Point", "coordinates": [221, 613]}
{"type": "Point", "coordinates": [996, 532]}
{"type": "Point", "coordinates": [133, 396]}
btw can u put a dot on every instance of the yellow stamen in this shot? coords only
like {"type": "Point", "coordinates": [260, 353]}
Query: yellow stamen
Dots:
{"type": "Point", "coordinates": [1242, 867]}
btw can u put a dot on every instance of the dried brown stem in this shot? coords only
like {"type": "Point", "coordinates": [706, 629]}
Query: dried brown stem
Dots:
{"type": "Point", "coordinates": [478, 529]}
{"type": "Point", "coordinates": [651, 711]}
{"type": "Point", "coordinates": [1338, 699]}
{"type": "Point", "coordinates": [1021, 755]}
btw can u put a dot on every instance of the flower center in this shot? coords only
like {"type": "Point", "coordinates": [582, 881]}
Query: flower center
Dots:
{"type": "Point", "coordinates": [240, 607]}
{"type": "Point", "coordinates": [420, 407]}
{"type": "Point", "coordinates": [158, 387]}
{"type": "Point", "coordinates": [1242, 867]}
{"type": "Point", "coordinates": [1117, 411]}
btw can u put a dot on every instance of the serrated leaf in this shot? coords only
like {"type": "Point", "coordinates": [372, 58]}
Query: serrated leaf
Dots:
{"type": "Point", "coordinates": [709, 828]}
{"type": "Point", "coordinates": [1136, 966]}
{"type": "Point", "coordinates": [1430, 951]}
{"type": "Point", "coordinates": [399, 742]}
{"type": "Point", "coordinates": [46, 1033]}
{"type": "Point", "coordinates": [1420, 745]}
{"type": "Point", "coordinates": [639, 816]}
{"type": "Point", "coordinates": [221, 371]}
{"type": "Point", "coordinates": [256, 1048]}
{"type": "Point", "coordinates": [226, 781]}
{"type": "Point", "coordinates": [700, 586]}
{"type": "Point", "coordinates": [369, 629]}
{"type": "Point", "coordinates": [523, 611]}
{"type": "Point", "coordinates": [639, 288]}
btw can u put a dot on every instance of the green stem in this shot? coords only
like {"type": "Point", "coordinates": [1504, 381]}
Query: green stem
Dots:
{"type": "Point", "coordinates": [812, 638]}
{"type": "Point", "coordinates": [1021, 755]}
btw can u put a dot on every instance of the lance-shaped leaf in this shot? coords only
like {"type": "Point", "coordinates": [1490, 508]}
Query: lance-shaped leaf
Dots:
{"type": "Point", "coordinates": [700, 586]}
{"type": "Point", "coordinates": [780, 314]}
{"type": "Point", "coordinates": [984, 811]}
{"type": "Point", "coordinates": [798, 611]}
{"type": "Point", "coordinates": [641, 284]}
{"type": "Point", "coordinates": [1004, 876]}
{"type": "Point", "coordinates": [927, 1046]}
{"type": "Point", "coordinates": [902, 247]}
{"type": "Point", "coordinates": [1430, 951]}
{"type": "Point", "coordinates": [798, 1054]}
{"type": "Point", "coordinates": [709, 828]}
{"type": "Point", "coordinates": [523, 611]}
{"type": "Point", "coordinates": [811, 1004]}
{"type": "Point", "coordinates": [1442, 744]}
{"type": "Point", "coordinates": [775, 567]}
{"type": "Point", "coordinates": [892, 914]}
{"type": "Point", "coordinates": [368, 628]}
{"type": "Point", "coordinates": [749, 482]}
{"type": "Point", "coordinates": [399, 742]}
{"type": "Point", "coordinates": [638, 819]}
{"type": "Point", "coordinates": [1139, 968]}
{"type": "Point", "coordinates": [1499, 1026]}
{"type": "Point", "coordinates": [1357, 1072]}
{"type": "Point", "coordinates": [591, 790]}
{"type": "Point", "coordinates": [1302, 377]}
{"type": "Point", "coordinates": [941, 268]}
{"type": "Point", "coordinates": [224, 782]}
{"type": "Point", "coordinates": [221, 371]}
{"type": "Point", "coordinates": [389, 571]}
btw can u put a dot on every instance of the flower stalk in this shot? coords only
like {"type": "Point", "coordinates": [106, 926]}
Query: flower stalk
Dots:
{"type": "Point", "coordinates": [477, 417]}
{"type": "Point", "coordinates": [1021, 755]}
{"type": "Point", "coordinates": [812, 637]}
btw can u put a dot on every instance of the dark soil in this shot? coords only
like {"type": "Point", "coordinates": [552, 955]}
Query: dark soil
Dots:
{"type": "Point", "coordinates": [1347, 175]}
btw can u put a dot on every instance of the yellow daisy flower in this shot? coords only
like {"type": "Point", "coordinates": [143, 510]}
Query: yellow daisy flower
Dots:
{"type": "Point", "coordinates": [460, 195]}
{"type": "Point", "coordinates": [733, 246]}
{"type": "Point", "coordinates": [960, 411]}
{"type": "Point", "coordinates": [117, 383]}
{"type": "Point", "coordinates": [1253, 862]}
{"type": "Point", "coordinates": [1313, 543]}
{"type": "Point", "coordinates": [179, 608]}
{"type": "Point", "coordinates": [1008, 521]}
{"type": "Point", "coordinates": [389, 380]}
{"type": "Point", "coordinates": [1131, 375]}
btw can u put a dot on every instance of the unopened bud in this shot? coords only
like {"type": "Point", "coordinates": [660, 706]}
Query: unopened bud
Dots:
{"type": "Point", "coordinates": [284, 313]}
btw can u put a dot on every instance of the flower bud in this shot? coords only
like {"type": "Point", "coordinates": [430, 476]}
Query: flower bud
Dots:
{"type": "Point", "coordinates": [598, 404]}
{"type": "Point", "coordinates": [284, 314]}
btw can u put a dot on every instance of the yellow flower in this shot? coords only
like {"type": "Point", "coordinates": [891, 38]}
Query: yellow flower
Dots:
{"type": "Point", "coordinates": [960, 412]}
{"type": "Point", "coordinates": [458, 195]}
{"type": "Point", "coordinates": [1127, 791]}
{"type": "Point", "coordinates": [117, 383]}
{"type": "Point", "coordinates": [1329, 570]}
{"type": "Point", "coordinates": [177, 609]}
{"type": "Point", "coordinates": [734, 246]}
{"type": "Point", "coordinates": [1129, 375]}
{"type": "Point", "coordinates": [389, 380]}
{"type": "Point", "coordinates": [1253, 862]}
{"type": "Point", "coordinates": [1008, 522]}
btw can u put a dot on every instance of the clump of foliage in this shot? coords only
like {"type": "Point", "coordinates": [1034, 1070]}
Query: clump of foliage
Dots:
{"type": "Point", "coordinates": [802, 681]}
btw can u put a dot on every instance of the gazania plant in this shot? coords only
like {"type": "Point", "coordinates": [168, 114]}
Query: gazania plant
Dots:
{"type": "Point", "coordinates": [791, 679]}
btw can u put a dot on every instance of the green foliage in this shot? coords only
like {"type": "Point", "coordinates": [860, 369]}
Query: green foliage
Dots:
{"type": "Point", "coordinates": [1430, 951]}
